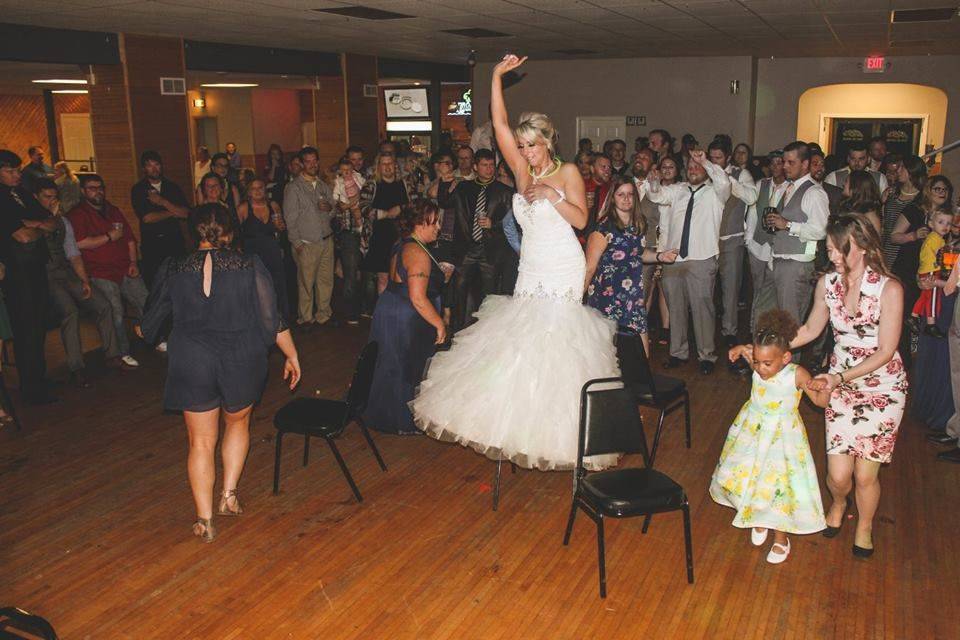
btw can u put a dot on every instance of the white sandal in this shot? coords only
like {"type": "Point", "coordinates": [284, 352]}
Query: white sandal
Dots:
{"type": "Point", "coordinates": [756, 538]}
{"type": "Point", "coordinates": [776, 557]}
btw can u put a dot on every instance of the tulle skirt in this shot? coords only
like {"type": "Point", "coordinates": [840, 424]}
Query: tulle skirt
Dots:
{"type": "Point", "coordinates": [509, 387]}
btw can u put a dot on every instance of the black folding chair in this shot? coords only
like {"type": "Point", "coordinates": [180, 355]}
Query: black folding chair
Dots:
{"type": "Point", "coordinates": [609, 423]}
{"type": "Point", "coordinates": [17, 623]}
{"type": "Point", "coordinates": [328, 418]}
{"type": "Point", "coordinates": [664, 393]}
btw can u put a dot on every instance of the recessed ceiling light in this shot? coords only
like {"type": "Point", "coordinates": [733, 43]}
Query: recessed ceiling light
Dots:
{"type": "Point", "coordinates": [70, 91]}
{"type": "Point", "coordinates": [230, 85]}
{"type": "Point", "coordinates": [365, 13]}
{"type": "Point", "coordinates": [58, 81]}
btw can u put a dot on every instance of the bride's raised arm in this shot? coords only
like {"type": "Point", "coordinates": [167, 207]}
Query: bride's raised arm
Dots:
{"type": "Point", "coordinates": [501, 122]}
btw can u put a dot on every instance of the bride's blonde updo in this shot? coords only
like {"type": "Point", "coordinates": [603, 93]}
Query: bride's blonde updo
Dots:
{"type": "Point", "coordinates": [537, 127]}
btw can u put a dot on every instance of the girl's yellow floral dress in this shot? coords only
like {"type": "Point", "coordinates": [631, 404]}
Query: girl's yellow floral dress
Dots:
{"type": "Point", "coordinates": [765, 470]}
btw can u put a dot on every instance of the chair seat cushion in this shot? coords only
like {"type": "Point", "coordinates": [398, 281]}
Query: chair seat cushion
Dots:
{"type": "Point", "coordinates": [311, 415]}
{"type": "Point", "coordinates": [668, 390]}
{"type": "Point", "coordinates": [622, 492]}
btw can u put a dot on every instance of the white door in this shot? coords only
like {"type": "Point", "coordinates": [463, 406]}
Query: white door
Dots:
{"type": "Point", "coordinates": [601, 129]}
{"type": "Point", "coordinates": [77, 140]}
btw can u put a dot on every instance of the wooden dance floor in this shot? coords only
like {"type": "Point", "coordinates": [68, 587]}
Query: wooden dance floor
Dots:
{"type": "Point", "coordinates": [95, 515]}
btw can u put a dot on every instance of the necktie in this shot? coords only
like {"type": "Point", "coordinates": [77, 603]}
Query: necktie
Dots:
{"type": "Point", "coordinates": [687, 217]}
{"type": "Point", "coordinates": [16, 196]}
{"type": "Point", "coordinates": [481, 212]}
{"type": "Point", "coordinates": [786, 194]}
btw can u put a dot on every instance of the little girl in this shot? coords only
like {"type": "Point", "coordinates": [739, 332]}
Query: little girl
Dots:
{"type": "Point", "coordinates": [765, 470]}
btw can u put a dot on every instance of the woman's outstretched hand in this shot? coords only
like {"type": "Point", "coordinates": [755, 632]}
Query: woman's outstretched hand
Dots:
{"type": "Point", "coordinates": [508, 64]}
{"type": "Point", "coordinates": [741, 351]}
{"type": "Point", "coordinates": [291, 371]}
{"type": "Point", "coordinates": [824, 382]}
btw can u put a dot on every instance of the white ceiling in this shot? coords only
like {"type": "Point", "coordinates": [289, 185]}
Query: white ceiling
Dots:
{"type": "Point", "coordinates": [612, 28]}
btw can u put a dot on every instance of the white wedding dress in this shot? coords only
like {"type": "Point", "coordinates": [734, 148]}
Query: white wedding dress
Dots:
{"type": "Point", "coordinates": [510, 384]}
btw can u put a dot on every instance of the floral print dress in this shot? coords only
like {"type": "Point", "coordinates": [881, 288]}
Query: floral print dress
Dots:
{"type": "Point", "coordinates": [617, 287]}
{"type": "Point", "coordinates": [766, 471]}
{"type": "Point", "coordinates": [864, 414]}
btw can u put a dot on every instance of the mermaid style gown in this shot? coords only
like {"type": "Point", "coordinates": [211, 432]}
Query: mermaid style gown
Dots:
{"type": "Point", "coordinates": [510, 385]}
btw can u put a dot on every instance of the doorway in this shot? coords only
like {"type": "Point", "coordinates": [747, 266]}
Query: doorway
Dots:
{"type": "Point", "coordinates": [902, 135]}
{"type": "Point", "coordinates": [207, 135]}
{"type": "Point", "coordinates": [77, 141]}
{"type": "Point", "coordinates": [601, 129]}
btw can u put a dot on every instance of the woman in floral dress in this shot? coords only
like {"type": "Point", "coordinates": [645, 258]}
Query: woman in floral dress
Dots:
{"type": "Point", "coordinates": [867, 382]}
{"type": "Point", "coordinates": [616, 252]}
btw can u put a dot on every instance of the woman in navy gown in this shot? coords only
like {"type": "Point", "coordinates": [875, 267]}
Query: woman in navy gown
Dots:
{"type": "Point", "coordinates": [225, 319]}
{"type": "Point", "coordinates": [407, 324]}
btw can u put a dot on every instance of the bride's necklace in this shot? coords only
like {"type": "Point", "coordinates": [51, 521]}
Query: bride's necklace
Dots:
{"type": "Point", "coordinates": [546, 173]}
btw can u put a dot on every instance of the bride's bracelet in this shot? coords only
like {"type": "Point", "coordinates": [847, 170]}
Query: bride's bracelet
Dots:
{"type": "Point", "coordinates": [559, 193]}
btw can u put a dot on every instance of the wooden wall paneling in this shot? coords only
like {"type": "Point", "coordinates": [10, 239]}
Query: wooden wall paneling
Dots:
{"type": "Point", "coordinates": [24, 123]}
{"type": "Point", "coordinates": [330, 117]}
{"type": "Point", "coordinates": [363, 119]}
{"type": "Point", "coordinates": [159, 122]}
{"type": "Point", "coordinates": [113, 136]}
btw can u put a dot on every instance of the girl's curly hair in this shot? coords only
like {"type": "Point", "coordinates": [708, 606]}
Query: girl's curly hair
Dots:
{"type": "Point", "coordinates": [775, 327]}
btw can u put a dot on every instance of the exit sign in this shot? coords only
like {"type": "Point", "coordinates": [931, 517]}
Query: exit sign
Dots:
{"type": "Point", "coordinates": [874, 64]}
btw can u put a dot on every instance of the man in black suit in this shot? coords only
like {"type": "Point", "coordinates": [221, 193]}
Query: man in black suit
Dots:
{"type": "Point", "coordinates": [484, 259]}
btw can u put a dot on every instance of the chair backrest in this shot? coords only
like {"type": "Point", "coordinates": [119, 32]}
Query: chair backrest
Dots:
{"type": "Point", "coordinates": [359, 391]}
{"type": "Point", "coordinates": [609, 420]}
{"type": "Point", "coordinates": [17, 623]}
{"type": "Point", "coordinates": [634, 365]}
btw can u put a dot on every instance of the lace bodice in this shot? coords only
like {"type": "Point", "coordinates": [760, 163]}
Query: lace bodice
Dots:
{"type": "Point", "coordinates": [552, 264]}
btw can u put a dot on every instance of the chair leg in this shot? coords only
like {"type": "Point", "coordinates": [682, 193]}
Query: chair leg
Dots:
{"type": "Point", "coordinates": [343, 468]}
{"type": "Point", "coordinates": [373, 447]}
{"type": "Point", "coordinates": [306, 448]}
{"type": "Point", "coordinates": [688, 542]}
{"type": "Point", "coordinates": [646, 522]}
{"type": "Point", "coordinates": [569, 531]}
{"type": "Point", "coordinates": [656, 437]}
{"type": "Point", "coordinates": [276, 464]}
{"type": "Point", "coordinates": [601, 557]}
{"type": "Point", "coordinates": [496, 484]}
{"type": "Point", "coordinates": [686, 417]}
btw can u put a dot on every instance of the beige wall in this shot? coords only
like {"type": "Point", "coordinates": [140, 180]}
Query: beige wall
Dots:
{"type": "Point", "coordinates": [680, 94]}
{"type": "Point", "coordinates": [675, 94]}
{"type": "Point", "coordinates": [782, 81]}
{"type": "Point", "coordinates": [234, 113]}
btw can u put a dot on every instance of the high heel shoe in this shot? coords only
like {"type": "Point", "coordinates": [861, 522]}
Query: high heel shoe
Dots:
{"type": "Point", "coordinates": [203, 529]}
{"type": "Point", "coordinates": [224, 508]}
{"type": "Point", "coordinates": [862, 552]}
{"type": "Point", "coordinates": [832, 532]}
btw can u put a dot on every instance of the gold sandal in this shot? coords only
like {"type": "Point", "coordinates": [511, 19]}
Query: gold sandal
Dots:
{"type": "Point", "coordinates": [224, 508]}
{"type": "Point", "coordinates": [203, 528]}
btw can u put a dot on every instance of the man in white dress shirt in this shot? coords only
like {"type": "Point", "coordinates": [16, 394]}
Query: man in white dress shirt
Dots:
{"type": "Point", "coordinates": [801, 221]}
{"type": "Point", "coordinates": [743, 193]}
{"type": "Point", "coordinates": [857, 160]}
{"type": "Point", "coordinates": [759, 240]}
{"type": "Point", "coordinates": [690, 223]}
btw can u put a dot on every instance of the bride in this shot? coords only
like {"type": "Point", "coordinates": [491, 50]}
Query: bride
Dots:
{"type": "Point", "coordinates": [510, 385]}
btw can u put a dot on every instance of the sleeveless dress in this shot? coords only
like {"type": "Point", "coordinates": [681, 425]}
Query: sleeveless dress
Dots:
{"type": "Point", "coordinates": [617, 287]}
{"type": "Point", "coordinates": [510, 385]}
{"type": "Point", "coordinates": [864, 414]}
{"type": "Point", "coordinates": [260, 239]}
{"type": "Point", "coordinates": [405, 341]}
{"type": "Point", "coordinates": [766, 471]}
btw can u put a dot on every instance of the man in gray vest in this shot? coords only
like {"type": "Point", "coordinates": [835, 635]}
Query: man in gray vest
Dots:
{"type": "Point", "coordinates": [857, 160]}
{"type": "Point", "coordinates": [800, 222]}
{"type": "Point", "coordinates": [759, 239]}
{"type": "Point", "coordinates": [743, 193]}
{"type": "Point", "coordinates": [642, 163]}
{"type": "Point", "coordinates": [70, 290]}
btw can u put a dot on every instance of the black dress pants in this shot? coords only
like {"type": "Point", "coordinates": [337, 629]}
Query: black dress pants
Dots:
{"type": "Point", "coordinates": [27, 300]}
{"type": "Point", "coordinates": [477, 279]}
